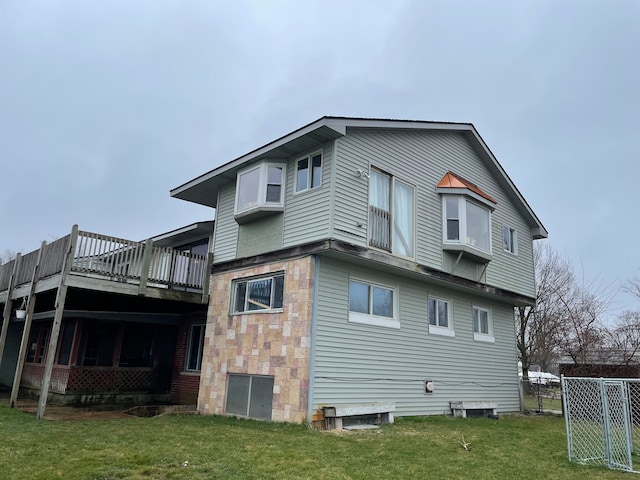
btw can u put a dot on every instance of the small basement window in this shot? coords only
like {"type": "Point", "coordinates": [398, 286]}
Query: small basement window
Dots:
{"type": "Point", "coordinates": [249, 396]}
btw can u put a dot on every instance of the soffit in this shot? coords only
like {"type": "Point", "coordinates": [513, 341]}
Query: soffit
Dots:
{"type": "Point", "coordinates": [204, 189]}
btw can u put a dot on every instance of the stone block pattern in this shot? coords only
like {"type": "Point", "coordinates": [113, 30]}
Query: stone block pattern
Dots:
{"type": "Point", "coordinates": [275, 344]}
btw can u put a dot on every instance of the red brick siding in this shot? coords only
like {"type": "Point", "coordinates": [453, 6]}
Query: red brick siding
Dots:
{"type": "Point", "coordinates": [184, 385]}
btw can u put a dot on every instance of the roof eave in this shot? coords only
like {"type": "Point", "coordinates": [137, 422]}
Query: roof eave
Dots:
{"type": "Point", "coordinates": [183, 191]}
{"type": "Point", "coordinates": [537, 228]}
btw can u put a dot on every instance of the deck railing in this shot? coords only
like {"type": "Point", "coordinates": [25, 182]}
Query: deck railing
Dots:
{"type": "Point", "coordinates": [114, 258]}
{"type": "Point", "coordinates": [379, 228]}
{"type": "Point", "coordinates": [5, 274]}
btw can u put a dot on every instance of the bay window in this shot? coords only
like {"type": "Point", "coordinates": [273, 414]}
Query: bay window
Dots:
{"type": "Point", "coordinates": [466, 223]}
{"type": "Point", "coordinates": [260, 189]}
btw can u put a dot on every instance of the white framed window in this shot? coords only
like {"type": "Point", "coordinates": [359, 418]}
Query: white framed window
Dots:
{"type": "Point", "coordinates": [308, 173]}
{"type": "Point", "coordinates": [482, 325]}
{"type": "Point", "coordinates": [509, 239]}
{"type": "Point", "coordinates": [391, 214]}
{"type": "Point", "coordinates": [260, 187]}
{"type": "Point", "coordinates": [372, 304]}
{"type": "Point", "coordinates": [466, 222]}
{"type": "Point", "coordinates": [193, 359]}
{"type": "Point", "coordinates": [258, 294]}
{"type": "Point", "coordinates": [440, 319]}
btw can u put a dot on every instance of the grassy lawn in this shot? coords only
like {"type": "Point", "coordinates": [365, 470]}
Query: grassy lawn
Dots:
{"type": "Point", "coordinates": [548, 403]}
{"type": "Point", "coordinates": [219, 447]}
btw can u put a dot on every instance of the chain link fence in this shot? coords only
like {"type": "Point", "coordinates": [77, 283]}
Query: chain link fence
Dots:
{"type": "Point", "coordinates": [541, 395]}
{"type": "Point", "coordinates": [602, 417]}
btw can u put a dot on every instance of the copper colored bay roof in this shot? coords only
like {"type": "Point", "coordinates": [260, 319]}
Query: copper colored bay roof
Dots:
{"type": "Point", "coordinates": [451, 180]}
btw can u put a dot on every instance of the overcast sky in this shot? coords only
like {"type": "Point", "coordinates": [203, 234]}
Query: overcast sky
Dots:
{"type": "Point", "coordinates": [106, 106]}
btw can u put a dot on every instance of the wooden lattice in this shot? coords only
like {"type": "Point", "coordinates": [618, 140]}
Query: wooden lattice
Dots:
{"type": "Point", "coordinates": [112, 380]}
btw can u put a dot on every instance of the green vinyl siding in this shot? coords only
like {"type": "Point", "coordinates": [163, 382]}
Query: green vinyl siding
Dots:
{"type": "Point", "coordinates": [307, 214]}
{"type": "Point", "coordinates": [339, 207]}
{"type": "Point", "coordinates": [260, 236]}
{"type": "Point", "coordinates": [357, 363]}
{"type": "Point", "coordinates": [350, 195]}
{"type": "Point", "coordinates": [422, 158]}
{"type": "Point", "coordinates": [226, 230]}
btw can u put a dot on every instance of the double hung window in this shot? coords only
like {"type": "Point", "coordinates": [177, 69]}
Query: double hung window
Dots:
{"type": "Point", "coordinates": [309, 172]}
{"type": "Point", "coordinates": [258, 294]}
{"type": "Point", "coordinates": [372, 304]}
{"type": "Point", "coordinates": [482, 325]}
{"type": "Point", "coordinates": [391, 214]}
{"type": "Point", "coordinates": [439, 313]}
{"type": "Point", "coordinates": [509, 239]}
{"type": "Point", "coordinates": [196, 343]}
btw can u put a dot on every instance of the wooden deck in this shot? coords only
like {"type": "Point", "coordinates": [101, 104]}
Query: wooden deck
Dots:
{"type": "Point", "coordinates": [109, 264]}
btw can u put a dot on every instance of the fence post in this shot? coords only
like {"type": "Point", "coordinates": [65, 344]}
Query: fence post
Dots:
{"type": "Point", "coordinates": [565, 401]}
{"type": "Point", "coordinates": [539, 391]}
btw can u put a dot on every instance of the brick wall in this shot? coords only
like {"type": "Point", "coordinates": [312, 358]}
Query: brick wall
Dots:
{"type": "Point", "coordinates": [275, 344]}
{"type": "Point", "coordinates": [185, 384]}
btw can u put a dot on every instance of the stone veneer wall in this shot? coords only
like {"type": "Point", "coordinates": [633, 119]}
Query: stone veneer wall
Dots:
{"type": "Point", "coordinates": [276, 344]}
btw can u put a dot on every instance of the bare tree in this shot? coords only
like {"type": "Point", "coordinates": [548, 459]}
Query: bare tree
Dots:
{"type": "Point", "coordinates": [567, 317]}
{"type": "Point", "coordinates": [624, 338]}
{"type": "Point", "coordinates": [538, 327]}
{"type": "Point", "coordinates": [633, 287]}
{"type": "Point", "coordinates": [582, 334]}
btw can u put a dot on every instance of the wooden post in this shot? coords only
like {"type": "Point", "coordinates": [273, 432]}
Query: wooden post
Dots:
{"type": "Point", "coordinates": [146, 262]}
{"type": "Point", "coordinates": [26, 331]}
{"type": "Point", "coordinates": [207, 278]}
{"type": "Point", "coordinates": [61, 296]}
{"type": "Point", "coordinates": [7, 306]}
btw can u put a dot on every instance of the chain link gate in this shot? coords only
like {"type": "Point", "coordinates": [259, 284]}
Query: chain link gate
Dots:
{"type": "Point", "coordinates": [602, 417]}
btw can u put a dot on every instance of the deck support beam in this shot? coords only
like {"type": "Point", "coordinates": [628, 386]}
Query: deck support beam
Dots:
{"type": "Point", "coordinates": [207, 279]}
{"type": "Point", "coordinates": [26, 330]}
{"type": "Point", "coordinates": [61, 296]}
{"type": "Point", "coordinates": [7, 306]}
{"type": "Point", "coordinates": [146, 263]}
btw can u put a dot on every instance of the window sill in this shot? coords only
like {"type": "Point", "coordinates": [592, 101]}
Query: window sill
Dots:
{"type": "Point", "coordinates": [375, 320]}
{"type": "Point", "coordinates": [251, 312]}
{"type": "Point", "coordinates": [257, 212]}
{"type": "Point", "coordinates": [445, 332]}
{"type": "Point", "coordinates": [468, 251]}
{"type": "Point", "coordinates": [481, 337]}
{"type": "Point", "coordinates": [191, 373]}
